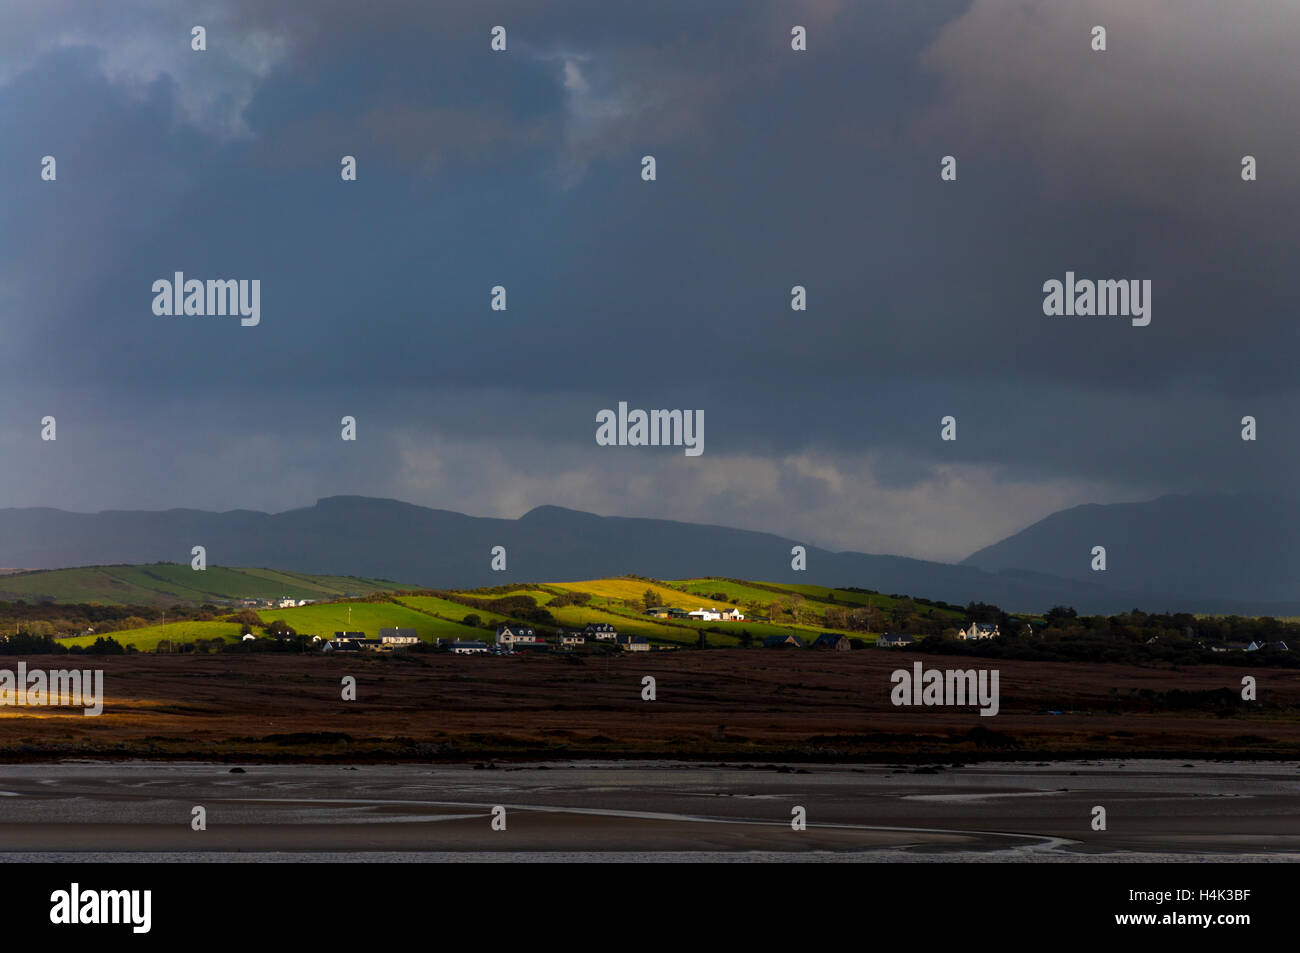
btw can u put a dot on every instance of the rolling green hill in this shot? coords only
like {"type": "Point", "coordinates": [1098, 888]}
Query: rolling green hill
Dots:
{"type": "Point", "coordinates": [168, 584]}
{"type": "Point", "coordinates": [441, 615]}
{"type": "Point", "coordinates": [369, 617]}
{"type": "Point", "coordinates": [763, 593]}
{"type": "Point", "coordinates": [146, 639]}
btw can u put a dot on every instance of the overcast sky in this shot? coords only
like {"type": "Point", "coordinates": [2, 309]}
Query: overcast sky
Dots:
{"type": "Point", "coordinates": [775, 168]}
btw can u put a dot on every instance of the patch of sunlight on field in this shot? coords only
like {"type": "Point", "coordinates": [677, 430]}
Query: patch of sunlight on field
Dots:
{"type": "Point", "coordinates": [146, 639]}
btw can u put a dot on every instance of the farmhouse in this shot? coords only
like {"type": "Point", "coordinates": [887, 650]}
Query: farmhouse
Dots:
{"type": "Point", "coordinates": [667, 612]}
{"type": "Point", "coordinates": [512, 636]}
{"type": "Point", "coordinates": [633, 643]}
{"type": "Point", "coordinates": [350, 642]}
{"type": "Point", "coordinates": [396, 637]}
{"type": "Point", "coordinates": [893, 640]}
{"type": "Point", "coordinates": [782, 642]}
{"type": "Point", "coordinates": [833, 641]}
{"type": "Point", "coordinates": [978, 630]}
{"type": "Point", "coordinates": [716, 615]}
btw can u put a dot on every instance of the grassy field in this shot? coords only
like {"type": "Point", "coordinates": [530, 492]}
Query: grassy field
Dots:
{"type": "Point", "coordinates": [167, 584]}
{"type": "Point", "coordinates": [617, 590]}
{"type": "Point", "coordinates": [538, 594]}
{"type": "Point", "coordinates": [607, 605]}
{"type": "Point", "coordinates": [446, 609]}
{"type": "Point", "coordinates": [764, 593]}
{"type": "Point", "coordinates": [849, 598]}
{"type": "Point", "coordinates": [147, 639]}
{"type": "Point", "coordinates": [749, 595]}
{"type": "Point", "coordinates": [435, 617]}
{"type": "Point", "coordinates": [685, 631]}
{"type": "Point", "coordinates": [323, 620]}
{"type": "Point", "coordinates": [369, 617]}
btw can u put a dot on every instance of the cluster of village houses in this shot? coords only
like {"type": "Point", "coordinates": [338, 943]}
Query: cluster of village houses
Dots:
{"type": "Point", "coordinates": [512, 639]}
{"type": "Point", "coordinates": [516, 639]}
{"type": "Point", "coordinates": [284, 602]}
{"type": "Point", "coordinates": [698, 615]}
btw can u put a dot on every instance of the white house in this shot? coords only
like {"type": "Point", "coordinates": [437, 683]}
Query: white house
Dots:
{"type": "Point", "coordinates": [634, 643]}
{"type": "Point", "coordinates": [600, 631]}
{"type": "Point", "coordinates": [716, 615]}
{"type": "Point", "coordinates": [394, 637]}
{"type": "Point", "coordinates": [468, 648]}
{"type": "Point", "coordinates": [571, 639]}
{"type": "Point", "coordinates": [979, 630]}
{"type": "Point", "coordinates": [893, 640]}
{"type": "Point", "coordinates": [508, 636]}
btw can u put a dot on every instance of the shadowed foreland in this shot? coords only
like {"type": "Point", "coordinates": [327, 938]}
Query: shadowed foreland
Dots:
{"type": "Point", "coordinates": [782, 706]}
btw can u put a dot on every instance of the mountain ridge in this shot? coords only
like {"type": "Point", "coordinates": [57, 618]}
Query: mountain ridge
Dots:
{"type": "Point", "coordinates": [1044, 565]}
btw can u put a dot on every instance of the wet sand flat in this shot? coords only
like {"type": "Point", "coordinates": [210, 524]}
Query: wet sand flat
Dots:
{"type": "Point", "coordinates": [1239, 810]}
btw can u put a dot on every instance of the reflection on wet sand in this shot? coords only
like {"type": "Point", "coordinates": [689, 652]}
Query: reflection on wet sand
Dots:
{"type": "Point", "coordinates": [1006, 811]}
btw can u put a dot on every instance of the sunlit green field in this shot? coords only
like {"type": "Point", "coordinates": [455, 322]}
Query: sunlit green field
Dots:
{"type": "Point", "coordinates": [617, 590]}
{"type": "Point", "coordinates": [760, 594]}
{"type": "Point", "coordinates": [147, 639]}
{"type": "Point", "coordinates": [434, 617]}
{"type": "Point", "coordinates": [541, 596]}
{"type": "Point", "coordinates": [452, 611]}
{"type": "Point", "coordinates": [367, 617]}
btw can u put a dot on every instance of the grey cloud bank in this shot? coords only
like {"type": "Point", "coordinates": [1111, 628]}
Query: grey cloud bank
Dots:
{"type": "Point", "coordinates": [775, 169]}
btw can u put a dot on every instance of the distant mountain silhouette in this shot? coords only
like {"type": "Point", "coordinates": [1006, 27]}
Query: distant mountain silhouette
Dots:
{"type": "Point", "coordinates": [1172, 554]}
{"type": "Point", "coordinates": [1246, 548]}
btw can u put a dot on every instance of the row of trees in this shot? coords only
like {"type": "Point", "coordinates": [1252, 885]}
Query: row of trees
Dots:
{"type": "Point", "coordinates": [48, 618]}
{"type": "Point", "coordinates": [24, 644]}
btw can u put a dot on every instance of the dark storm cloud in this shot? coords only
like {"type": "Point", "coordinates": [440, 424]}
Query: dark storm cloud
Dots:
{"type": "Point", "coordinates": [775, 169]}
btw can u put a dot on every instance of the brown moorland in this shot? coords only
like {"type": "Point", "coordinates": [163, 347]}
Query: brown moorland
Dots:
{"type": "Point", "coordinates": [713, 704]}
